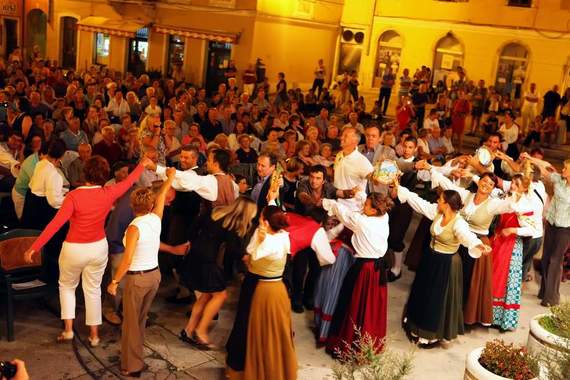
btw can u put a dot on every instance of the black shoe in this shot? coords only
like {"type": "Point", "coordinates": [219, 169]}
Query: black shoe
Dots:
{"type": "Point", "coordinates": [297, 307]}
{"type": "Point", "coordinates": [189, 314]}
{"type": "Point", "coordinates": [183, 336]}
{"type": "Point", "coordinates": [309, 305]}
{"type": "Point", "coordinates": [181, 301]}
{"type": "Point", "coordinates": [392, 277]}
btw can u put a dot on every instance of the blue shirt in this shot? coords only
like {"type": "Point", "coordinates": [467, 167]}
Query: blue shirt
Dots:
{"type": "Point", "coordinates": [72, 140]}
{"type": "Point", "coordinates": [119, 219]}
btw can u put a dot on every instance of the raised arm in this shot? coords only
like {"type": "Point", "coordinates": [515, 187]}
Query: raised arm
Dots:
{"type": "Point", "coordinates": [438, 179]}
{"type": "Point", "coordinates": [206, 186]}
{"type": "Point", "coordinates": [116, 190]}
{"type": "Point", "coordinates": [419, 205]}
{"type": "Point", "coordinates": [322, 247]}
{"type": "Point", "coordinates": [161, 197]}
{"type": "Point", "coordinates": [346, 216]}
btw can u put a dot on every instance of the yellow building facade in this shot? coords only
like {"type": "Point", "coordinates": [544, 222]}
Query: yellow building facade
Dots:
{"type": "Point", "coordinates": [508, 43]}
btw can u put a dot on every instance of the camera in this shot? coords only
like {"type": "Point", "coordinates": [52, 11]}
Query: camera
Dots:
{"type": "Point", "coordinates": [7, 370]}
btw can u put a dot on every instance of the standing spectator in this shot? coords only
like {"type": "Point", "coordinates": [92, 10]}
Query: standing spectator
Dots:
{"type": "Point", "coordinates": [281, 95]}
{"type": "Point", "coordinates": [551, 102]}
{"type": "Point", "coordinates": [260, 70]}
{"type": "Point", "coordinates": [388, 80]}
{"type": "Point", "coordinates": [231, 70]}
{"type": "Point", "coordinates": [458, 116]}
{"type": "Point", "coordinates": [419, 100]}
{"type": "Point", "coordinates": [478, 101]}
{"type": "Point", "coordinates": [353, 85]}
{"type": "Point", "coordinates": [510, 131]}
{"type": "Point", "coordinates": [529, 108]}
{"type": "Point", "coordinates": [405, 84]}
{"type": "Point", "coordinates": [319, 81]}
{"type": "Point", "coordinates": [565, 112]}
{"type": "Point", "coordinates": [249, 80]}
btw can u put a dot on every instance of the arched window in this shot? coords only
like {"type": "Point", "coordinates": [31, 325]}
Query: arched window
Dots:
{"type": "Point", "coordinates": [388, 54]}
{"type": "Point", "coordinates": [512, 70]}
{"type": "Point", "coordinates": [37, 29]}
{"type": "Point", "coordinates": [447, 58]}
{"type": "Point", "coordinates": [68, 33]}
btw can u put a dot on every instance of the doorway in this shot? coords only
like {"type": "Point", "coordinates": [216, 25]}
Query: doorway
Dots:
{"type": "Point", "coordinates": [68, 28]}
{"type": "Point", "coordinates": [448, 56]}
{"type": "Point", "coordinates": [11, 33]}
{"type": "Point", "coordinates": [37, 29]}
{"type": "Point", "coordinates": [219, 54]}
{"type": "Point", "coordinates": [138, 52]}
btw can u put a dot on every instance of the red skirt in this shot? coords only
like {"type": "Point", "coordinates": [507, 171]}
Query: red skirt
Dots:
{"type": "Point", "coordinates": [362, 306]}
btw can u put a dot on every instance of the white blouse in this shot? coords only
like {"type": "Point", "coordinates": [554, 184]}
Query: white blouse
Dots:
{"type": "Point", "coordinates": [511, 134]}
{"type": "Point", "coordinates": [429, 210]}
{"type": "Point", "coordinates": [48, 182]}
{"type": "Point", "coordinates": [148, 244]}
{"type": "Point", "coordinates": [273, 247]}
{"type": "Point", "coordinates": [370, 238]}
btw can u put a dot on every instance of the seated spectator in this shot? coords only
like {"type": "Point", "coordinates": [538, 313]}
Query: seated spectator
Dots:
{"type": "Point", "coordinates": [118, 107]}
{"type": "Point", "coordinates": [534, 132]}
{"type": "Point", "coordinates": [75, 169]}
{"type": "Point", "coordinates": [303, 153]}
{"type": "Point", "coordinates": [447, 140]}
{"type": "Point", "coordinates": [246, 154]}
{"type": "Point", "coordinates": [549, 128]}
{"type": "Point", "coordinates": [120, 171]}
{"type": "Point", "coordinates": [194, 133]}
{"type": "Point", "coordinates": [325, 157]}
{"type": "Point", "coordinates": [423, 145]}
{"type": "Point", "coordinates": [432, 120]}
{"type": "Point", "coordinates": [436, 143]}
{"type": "Point", "coordinates": [73, 135]}
{"type": "Point", "coordinates": [491, 125]}
{"type": "Point", "coordinates": [332, 135]}
{"type": "Point", "coordinates": [173, 145]}
{"type": "Point", "coordinates": [153, 109]}
{"type": "Point", "coordinates": [11, 155]}
{"type": "Point", "coordinates": [108, 148]}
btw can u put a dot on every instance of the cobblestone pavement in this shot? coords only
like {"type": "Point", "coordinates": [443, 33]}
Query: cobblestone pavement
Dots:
{"type": "Point", "coordinates": [169, 358]}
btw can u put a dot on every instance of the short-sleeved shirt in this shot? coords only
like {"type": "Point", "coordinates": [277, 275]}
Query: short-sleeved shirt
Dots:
{"type": "Point", "coordinates": [146, 251]}
{"type": "Point", "coordinates": [558, 213]}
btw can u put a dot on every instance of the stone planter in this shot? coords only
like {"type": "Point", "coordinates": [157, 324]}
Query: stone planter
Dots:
{"type": "Point", "coordinates": [540, 340]}
{"type": "Point", "coordinates": [475, 371]}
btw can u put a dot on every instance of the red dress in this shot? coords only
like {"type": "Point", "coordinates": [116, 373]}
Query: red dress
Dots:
{"type": "Point", "coordinates": [502, 249]}
{"type": "Point", "coordinates": [460, 112]}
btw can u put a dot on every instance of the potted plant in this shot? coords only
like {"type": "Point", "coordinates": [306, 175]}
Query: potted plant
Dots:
{"type": "Point", "coordinates": [363, 360]}
{"type": "Point", "coordinates": [549, 338]}
{"type": "Point", "coordinates": [501, 361]}
{"type": "Point", "coordinates": [550, 332]}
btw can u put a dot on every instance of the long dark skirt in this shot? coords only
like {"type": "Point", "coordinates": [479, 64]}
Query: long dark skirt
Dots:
{"type": "Point", "coordinates": [434, 309]}
{"type": "Point", "coordinates": [421, 239]}
{"type": "Point", "coordinates": [362, 306]}
{"type": "Point", "coordinates": [235, 346]}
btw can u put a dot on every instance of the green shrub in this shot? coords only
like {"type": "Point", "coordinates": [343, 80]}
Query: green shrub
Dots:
{"type": "Point", "coordinates": [364, 360]}
{"type": "Point", "coordinates": [508, 360]}
{"type": "Point", "coordinates": [558, 321]}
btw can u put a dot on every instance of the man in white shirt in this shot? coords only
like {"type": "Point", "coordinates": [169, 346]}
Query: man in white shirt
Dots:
{"type": "Point", "coordinates": [47, 181]}
{"type": "Point", "coordinates": [351, 168]}
{"type": "Point", "coordinates": [530, 107]}
{"type": "Point", "coordinates": [431, 121]}
{"type": "Point", "coordinates": [353, 122]}
{"type": "Point", "coordinates": [11, 152]}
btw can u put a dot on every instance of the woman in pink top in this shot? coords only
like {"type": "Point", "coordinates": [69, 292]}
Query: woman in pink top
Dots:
{"type": "Point", "coordinates": [84, 252]}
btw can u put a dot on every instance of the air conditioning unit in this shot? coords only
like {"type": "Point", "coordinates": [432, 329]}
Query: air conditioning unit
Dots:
{"type": "Point", "coordinates": [352, 36]}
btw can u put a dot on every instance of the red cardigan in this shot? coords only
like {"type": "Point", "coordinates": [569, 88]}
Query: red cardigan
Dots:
{"type": "Point", "coordinates": [86, 209]}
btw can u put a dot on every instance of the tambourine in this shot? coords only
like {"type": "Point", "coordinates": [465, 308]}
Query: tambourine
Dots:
{"type": "Point", "coordinates": [386, 172]}
{"type": "Point", "coordinates": [484, 156]}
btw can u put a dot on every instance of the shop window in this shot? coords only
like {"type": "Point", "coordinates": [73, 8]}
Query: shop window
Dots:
{"type": "Point", "coordinates": [388, 55]}
{"type": "Point", "coordinates": [175, 52]}
{"type": "Point", "coordinates": [101, 52]}
{"type": "Point", "coordinates": [447, 58]}
{"type": "Point", "coordinates": [138, 52]}
{"type": "Point", "coordinates": [512, 70]}
{"type": "Point", "coordinates": [520, 3]}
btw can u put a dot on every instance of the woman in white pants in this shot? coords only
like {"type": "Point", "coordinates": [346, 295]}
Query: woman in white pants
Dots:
{"type": "Point", "coordinates": [84, 252]}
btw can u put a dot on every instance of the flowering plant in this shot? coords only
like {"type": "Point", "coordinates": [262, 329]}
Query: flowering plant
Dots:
{"type": "Point", "coordinates": [508, 360]}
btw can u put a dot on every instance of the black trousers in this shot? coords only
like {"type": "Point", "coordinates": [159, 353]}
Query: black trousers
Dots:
{"type": "Point", "coordinates": [318, 84]}
{"type": "Point", "coordinates": [384, 97]}
{"type": "Point", "coordinates": [530, 248]}
{"type": "Point", "coordinates": [303, 284]}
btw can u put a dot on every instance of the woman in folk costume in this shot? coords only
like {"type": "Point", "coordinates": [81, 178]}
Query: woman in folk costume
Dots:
{"type": "Point", "coordinates": [329, 284]}
{"type": "Point", "coordinates": [507, 262]}
{"type": "Point", "coordinates": [478, 210]}
{"type": "Point", "coordinates": [435, 306]}
{"type": "Point", "coordinates": [261, 342]}
{"type": "Point", "coordinates": [362, 302]}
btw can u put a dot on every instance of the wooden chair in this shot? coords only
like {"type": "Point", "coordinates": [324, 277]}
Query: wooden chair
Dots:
{"type": "Point", "coordinates": [18, 279]}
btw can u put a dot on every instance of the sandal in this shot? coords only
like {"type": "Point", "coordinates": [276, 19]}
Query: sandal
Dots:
{"type": "Point", "coordinates": [202, 345]}
{"type": "Point", "coordinates": [65, 337]}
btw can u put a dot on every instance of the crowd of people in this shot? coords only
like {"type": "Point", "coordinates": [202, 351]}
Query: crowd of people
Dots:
{"type": "Point", "coordinates": [133, 178]}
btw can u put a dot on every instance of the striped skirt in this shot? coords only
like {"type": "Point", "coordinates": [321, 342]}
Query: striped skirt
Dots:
{"type": "Point", "coordinates": [506, 310]}
{"type": "Point", "coordinates": [328, 289]}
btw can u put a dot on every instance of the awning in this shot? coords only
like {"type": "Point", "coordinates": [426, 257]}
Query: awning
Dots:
{"type": "Point", "coordinates": [121, 28]}
{"type": "Point", "coordinates": [197, 33]}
